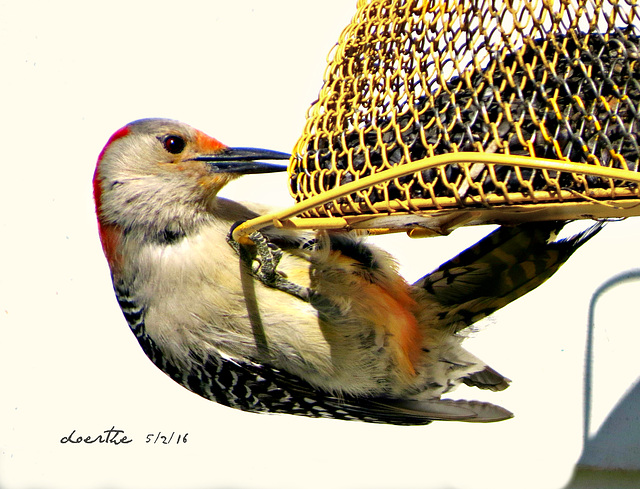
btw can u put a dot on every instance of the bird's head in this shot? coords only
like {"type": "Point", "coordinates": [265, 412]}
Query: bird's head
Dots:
{"type": "Point", "coordinates": [162, 176]}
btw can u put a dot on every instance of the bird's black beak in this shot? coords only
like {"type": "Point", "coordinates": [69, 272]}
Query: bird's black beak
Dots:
{"type": "Point", "coordinates": [244, 160]}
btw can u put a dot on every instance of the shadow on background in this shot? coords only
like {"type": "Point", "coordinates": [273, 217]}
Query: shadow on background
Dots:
{"type": "Point", "coordinates": [611, 457]}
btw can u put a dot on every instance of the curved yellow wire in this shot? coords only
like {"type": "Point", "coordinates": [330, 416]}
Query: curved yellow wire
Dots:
{"type": "Point", "coordinates": [252, 225]}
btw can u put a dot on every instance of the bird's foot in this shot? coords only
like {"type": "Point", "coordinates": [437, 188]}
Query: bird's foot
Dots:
{"type": "Point", "coordinates": [268, 257]}
{"type": "Point", "coordinates": [263, 258]}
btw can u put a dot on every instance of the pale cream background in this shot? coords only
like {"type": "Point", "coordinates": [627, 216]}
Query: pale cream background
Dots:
{"type": "Point", "coordinates": [72, 73]}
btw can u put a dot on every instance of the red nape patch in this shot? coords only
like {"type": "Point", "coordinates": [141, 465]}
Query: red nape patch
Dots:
{"type": "Point", "coordinates": [97, 187]}
{"type": "Point", "coordinates": [108, 235]}
{"type": "Point", "coordinates": [120, 133]}
{"type": "Point", "coordinates": [110, 239]}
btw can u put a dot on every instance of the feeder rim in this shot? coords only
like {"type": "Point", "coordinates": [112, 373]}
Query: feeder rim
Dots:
{"type": "Point", "coordinates": [243, 230]}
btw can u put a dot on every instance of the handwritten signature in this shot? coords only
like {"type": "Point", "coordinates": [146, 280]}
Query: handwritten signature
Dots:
{"type": "Point", "coordinates": [116, 437]}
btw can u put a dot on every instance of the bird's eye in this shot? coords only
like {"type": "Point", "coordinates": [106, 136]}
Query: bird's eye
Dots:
{"type": "Point", "coordinates": [173, 144]}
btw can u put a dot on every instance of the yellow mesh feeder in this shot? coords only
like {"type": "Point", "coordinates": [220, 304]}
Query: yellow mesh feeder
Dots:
{"type": "Point", "coordinates": [438, 114]}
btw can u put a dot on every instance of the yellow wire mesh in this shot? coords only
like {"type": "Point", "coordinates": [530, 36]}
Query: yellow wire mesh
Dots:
{"type": "Point", "coordinates": [412, 80]}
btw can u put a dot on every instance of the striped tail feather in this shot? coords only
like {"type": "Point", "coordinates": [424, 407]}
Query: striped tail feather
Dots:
{"type": "Point", "coordinates": [500, 268]}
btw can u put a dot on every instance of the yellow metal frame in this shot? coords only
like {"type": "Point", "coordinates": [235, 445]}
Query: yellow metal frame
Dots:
{"type": "Point", "coordinates": [625, 203]}
{"type": "Point", "coordinates": [479, 88]}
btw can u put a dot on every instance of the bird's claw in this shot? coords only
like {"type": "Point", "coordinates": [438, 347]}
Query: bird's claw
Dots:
{"type": "Point", "coordinates": [263, 258]}
{"type": "Point", "coordinates": [268, 257]}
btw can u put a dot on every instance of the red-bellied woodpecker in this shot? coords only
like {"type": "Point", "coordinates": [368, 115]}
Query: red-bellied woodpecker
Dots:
{"type": "Point", "coordinates": [315, 324]}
